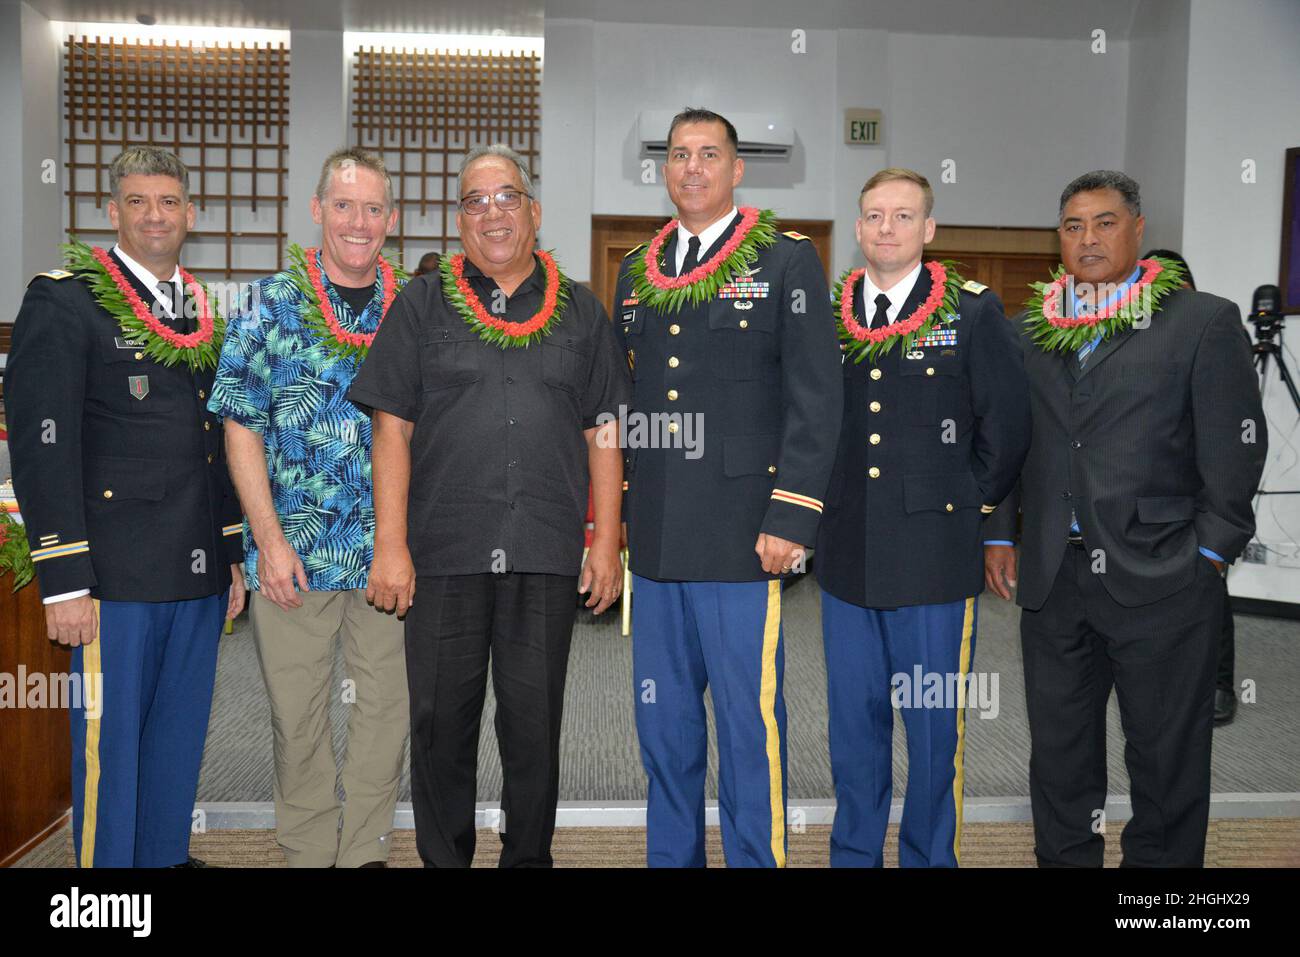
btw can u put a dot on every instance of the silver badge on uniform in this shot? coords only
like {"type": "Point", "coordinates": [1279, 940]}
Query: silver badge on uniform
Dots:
{"type": "Point", "coordinates": [914, 354]}
{"type": "Point", "coordinates": [743, 304]}
{"type": "Point", "coordinates": [139, 385]}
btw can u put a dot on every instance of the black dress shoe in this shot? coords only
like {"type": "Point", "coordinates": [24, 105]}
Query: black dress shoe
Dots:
{"type": "Point", "coordinates": [193, 862]}
{"type": "Point", "coordinates": [375, 864]}
{"type": "Point", "coordinates": [1225, 705]}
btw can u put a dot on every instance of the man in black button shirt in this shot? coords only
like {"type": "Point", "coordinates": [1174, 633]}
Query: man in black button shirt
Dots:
{"type": "Point", "coordinates": [486, 381]}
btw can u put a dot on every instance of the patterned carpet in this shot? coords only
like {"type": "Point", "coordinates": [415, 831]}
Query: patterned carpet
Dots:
{"type": "Point", "coordinates": [1240, 843]}
{"type": "Point", "coordinates": [1259, 752]}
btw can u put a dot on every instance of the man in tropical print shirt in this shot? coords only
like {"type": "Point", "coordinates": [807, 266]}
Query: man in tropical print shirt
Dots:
{"type": "Point", "coordinates": [300, 458]}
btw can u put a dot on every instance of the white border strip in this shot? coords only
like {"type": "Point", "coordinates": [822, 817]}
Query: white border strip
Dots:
{"type": "Point", "coordinates": [261, 814]}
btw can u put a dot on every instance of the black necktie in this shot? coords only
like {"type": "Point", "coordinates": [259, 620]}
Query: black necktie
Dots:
{"type": "Point", "coordinates": [174, 302]}
{"type": "Point", "coordinates": [692, 256]}
{"type": "Point", "coordinates": [881, 318]}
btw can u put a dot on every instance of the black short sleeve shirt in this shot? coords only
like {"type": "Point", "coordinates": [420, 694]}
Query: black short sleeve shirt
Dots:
{"type": "Point", "coordinates": [499, 478]}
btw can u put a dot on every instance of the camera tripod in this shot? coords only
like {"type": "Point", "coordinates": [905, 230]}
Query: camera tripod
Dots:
{"type": "Point", "coordinates": [1268, 345]}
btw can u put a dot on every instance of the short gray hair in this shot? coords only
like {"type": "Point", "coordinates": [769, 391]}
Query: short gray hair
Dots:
{"type": "Point", "coordinates": [354, 156]}
{"type": "Point", "coordinates": [1122, 183]}
{"type": "Point", "coordinates": [147, 161]}
{"type": "Point", "coordinates": [496, 149]}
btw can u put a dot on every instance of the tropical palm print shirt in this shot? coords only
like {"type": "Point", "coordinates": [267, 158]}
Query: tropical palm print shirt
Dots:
{"type": "Point", "coordinates": [277, 378]}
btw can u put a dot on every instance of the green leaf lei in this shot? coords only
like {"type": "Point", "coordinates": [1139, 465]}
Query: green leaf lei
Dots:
{"type": "Point", "coordinates": [496, 329]}
{"type": "Point", "coordinates": [761, 235]}
{"type": "Point", "coordinates": [1159, 278]}
{"type": "Point", "coordinates": [312, 316]}
{"type": "Point", "coordinates": [946, 302]}
{"type": "Point", "coordinates": [80, 259]}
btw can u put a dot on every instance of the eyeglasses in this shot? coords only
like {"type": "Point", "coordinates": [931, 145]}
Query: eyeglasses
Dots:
{"type": "Point", "coordinates": [506, 200]}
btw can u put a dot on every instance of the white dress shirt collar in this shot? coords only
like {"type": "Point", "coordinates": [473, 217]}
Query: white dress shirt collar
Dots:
{"type": "Point", "coordinates": [708, 236]}
{"type": "Point", "coordinates": [897, 294]}
{"type": "Point", "coordinates": [148, 279]}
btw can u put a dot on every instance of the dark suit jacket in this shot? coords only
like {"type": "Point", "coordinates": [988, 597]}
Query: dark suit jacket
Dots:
{"type": "Point", "coordinates": [118, 466]}
{"type": "Point", "coordinates": [1157, 446]}
{"type": "Point", "coordinates": [946, 431]}
{"type": "Point", "coordinates": [759, 368]}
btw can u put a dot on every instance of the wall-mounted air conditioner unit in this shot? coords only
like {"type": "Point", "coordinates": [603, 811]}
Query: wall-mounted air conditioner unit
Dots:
{"type": "Point", "coordinates": [761, 135]}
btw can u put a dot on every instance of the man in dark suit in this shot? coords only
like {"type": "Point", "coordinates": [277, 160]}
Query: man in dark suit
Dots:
{"type": "Point", "coordinates": [133, 523]}
{"type": "Point", "coordinates": [725, 324]}
{"type": "Point", "coordinates": [1225, 692]}
{"type": "Point", "coordinates": [1149, 441]}
{"type": "Point", "coordinates": [935, 429]}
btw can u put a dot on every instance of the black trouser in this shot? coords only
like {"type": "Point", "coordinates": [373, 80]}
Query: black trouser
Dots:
{"type": "Point", "coordinates": [1227, 646]}
{"type": "Point", "coordinates": [523, 624]}
{"type": "Point", "coordinates": [1160, 658]}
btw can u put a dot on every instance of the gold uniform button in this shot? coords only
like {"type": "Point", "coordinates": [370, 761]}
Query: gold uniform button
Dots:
{"type": "Point", "coordinates": [139, 355]}
{"type": "Point", "coordinates": [672, 395]}
{"type": "Point", "coordinates": [108, 493]}
{"type": "Point", "coordinates": [874, 407]}
{"type": "Point", "coordinates": [673, 362]}
{"type": "Point", "coordinates": [930, 371]}
{"type": "Point", "coordinates": [876, 373]}
{"type": "Point", "coordinates": [672, 427]}
{"type": "Point", "coordinates": [209, 459]}
{"type": "Point", "coordinates": [875, 439]}
{"type": "Point", "coordinates": [873, 472]}
{"type": "Point", "coordinates": [744, 323]}
{"type": "Point", "coordinates": [948, 507]}
{"type": "Point", "coordinates": [772, 469]}
{"type": "Point", "coordinates": [202, 394]}
{"type": "Point", "coordinates": [674, 329]}
{"type": "Point", "coordinates": [207, 426]}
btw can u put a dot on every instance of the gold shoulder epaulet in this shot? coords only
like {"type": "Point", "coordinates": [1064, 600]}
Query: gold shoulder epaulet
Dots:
{"type": "Point", "coordinates": [970, 285]}
{"type": "Point", "coordinates": [634, 250]}
{"type": "Point", "coordinates": [793, 235]}
{"type": "Point", "coordinates": [54, 274]}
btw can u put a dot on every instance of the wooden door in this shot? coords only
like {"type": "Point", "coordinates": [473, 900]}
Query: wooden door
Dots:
{"type": "Point", "coordinates": [1005, 260]}
{"type": "Point", "coordinates": [613, 236]}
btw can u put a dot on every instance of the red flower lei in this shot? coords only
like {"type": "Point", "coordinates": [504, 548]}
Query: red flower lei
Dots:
{"type": "Point", "coordinates": [748, 220]}
{"type": "Point", "coordinates": [358, 340]}
{"type": "Point", "coordinates": [507, 332]}
{"type": "Point", "coordinates": [938, 281]}
{"type": "Point", "coordinates": [1054, 293]}
{"type": "Point", "coordinates": [199, 337]}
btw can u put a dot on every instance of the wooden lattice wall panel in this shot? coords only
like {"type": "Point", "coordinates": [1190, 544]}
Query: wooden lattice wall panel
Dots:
{"type": "Point", "coordinates": [223, 108]}
{"type": "Point", "coordinates": [422, 110]}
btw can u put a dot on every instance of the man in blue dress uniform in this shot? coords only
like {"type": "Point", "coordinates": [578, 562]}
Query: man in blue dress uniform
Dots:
{"type": "Point", "coordinates": [726, 326]}
{"type": "Point", "coordinates": [935, 428]}
{"type": "Point", "coordinates": [131, 517]}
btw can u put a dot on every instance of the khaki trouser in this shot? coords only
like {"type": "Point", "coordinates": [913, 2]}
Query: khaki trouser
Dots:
{"type": "Point", "coordinates": [296, 651]}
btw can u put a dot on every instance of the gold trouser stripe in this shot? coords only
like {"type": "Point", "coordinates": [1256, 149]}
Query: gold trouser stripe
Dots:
{"type": "Point", "coordinates": [91, 665]}
{"type": "Point", "coordinates": [767, 705]}
{"type": "Point", "coordinates": [958, 764]}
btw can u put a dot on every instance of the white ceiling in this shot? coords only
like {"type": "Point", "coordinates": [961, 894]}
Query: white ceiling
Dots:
{"type": "Point", "coordinates": [1007, 18]}
{"type": "Point", "coordinates": [479, 17]}
{"type": "Point", "coordinates": [1028, 18]}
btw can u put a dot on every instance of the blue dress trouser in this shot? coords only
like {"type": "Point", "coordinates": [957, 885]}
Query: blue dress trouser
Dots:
{"type": "Point", "coordinates": [725, 636]}
{"type": "Point", "coordinates": [138, 732]}
{"type": "Point", "coordinates": [912, 658]}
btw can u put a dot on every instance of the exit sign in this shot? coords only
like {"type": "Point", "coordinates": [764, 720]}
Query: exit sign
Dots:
{"type": "Point", "coordinates": [863, 127]}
